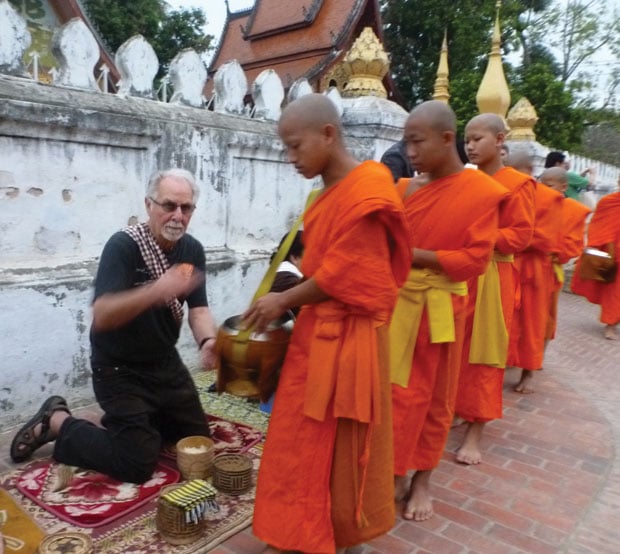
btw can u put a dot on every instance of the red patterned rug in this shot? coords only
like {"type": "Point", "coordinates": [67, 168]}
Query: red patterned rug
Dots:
{"type": "Point", "coordinates": [89, 499]}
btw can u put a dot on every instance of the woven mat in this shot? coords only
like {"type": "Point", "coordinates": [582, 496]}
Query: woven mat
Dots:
{"type": "Point", "coordinates": [136, 532]}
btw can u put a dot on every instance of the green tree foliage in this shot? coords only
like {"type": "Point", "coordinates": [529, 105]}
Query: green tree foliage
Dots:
{"type": "Point", "coordinates": [167, 31]}
{"type": "Point", "coordinates": [414, 31]}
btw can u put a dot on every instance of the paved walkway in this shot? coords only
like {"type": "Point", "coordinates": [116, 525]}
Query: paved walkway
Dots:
{"type": "Point", "coordinates": [550, 479]}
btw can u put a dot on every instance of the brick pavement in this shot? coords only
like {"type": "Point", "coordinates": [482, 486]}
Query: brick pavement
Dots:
{"type": "Point", "coordinates": [549, 481]}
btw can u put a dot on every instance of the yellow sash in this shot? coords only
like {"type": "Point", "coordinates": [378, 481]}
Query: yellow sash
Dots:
{"type": "Point", "coordinates": [499, 257]}
{"type": "Point", "coordinates": [558, 270]}
{"type": "Point", "coordinates": [423, 287]}
{"type": "Point", "coordinates": [489, 337]}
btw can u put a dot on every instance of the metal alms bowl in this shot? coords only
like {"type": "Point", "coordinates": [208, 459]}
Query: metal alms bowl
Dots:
{"type": "Point", "coordinates": [249, 364]}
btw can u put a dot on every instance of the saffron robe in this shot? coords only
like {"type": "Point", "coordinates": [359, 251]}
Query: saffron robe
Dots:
{"type": "Point", "coordinates": [603, 231]}
{"type": "Point", "coordinates": [527, 340]}
{"type": "Point", "coordinates": [570, 245]}
{"type": "Point", "coordinates": [326, 475]}
{"type": "Point", "coordinates": [456, 217]}
{"type": "Point", "coordinates": [480, 391]}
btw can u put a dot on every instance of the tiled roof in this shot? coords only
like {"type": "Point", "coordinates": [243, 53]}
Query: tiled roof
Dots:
{"type": "Point", "coordinates": [273, 16]}
{"type": "Point", "coordinates": [269, 35]}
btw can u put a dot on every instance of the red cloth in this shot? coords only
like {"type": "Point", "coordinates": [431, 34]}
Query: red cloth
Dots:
{"type": "Point", "coordinates": [480, 390]}
{"type": "Point", "coordinates": [356, 248]}
{"type": "Point", "coordinates": [457, 218]}
{"type": "Point", "coordinates": [603, 231]}
{"type": "Point", "coordinates": [529, 326]}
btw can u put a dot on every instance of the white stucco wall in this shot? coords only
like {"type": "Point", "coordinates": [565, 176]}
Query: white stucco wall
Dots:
{"type": "Point", "coordinates": [73, 168]}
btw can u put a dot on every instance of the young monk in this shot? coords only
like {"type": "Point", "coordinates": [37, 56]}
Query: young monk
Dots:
{"type": "Point", "coordinates": [452, 216]}
{"type": "Point", "coordinates": [529, 326]}
{"type": "Point", "coordinates": [604, 234]}
{"type": "Point", "coordinates": [325, 478]}
{"type": "Point", "coordinates": [571, 241]}
{"type": "Point", "coordinates": [492, 296]}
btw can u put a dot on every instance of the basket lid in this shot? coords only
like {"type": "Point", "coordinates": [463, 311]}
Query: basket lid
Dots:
{"type": "Point", "coordinates": [232, 463]}
{"type": "Point", "coordinates": [66, 543]}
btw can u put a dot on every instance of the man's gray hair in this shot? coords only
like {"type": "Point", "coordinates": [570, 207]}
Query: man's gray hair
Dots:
{"type": "Point", "coordinates": [177, 173]}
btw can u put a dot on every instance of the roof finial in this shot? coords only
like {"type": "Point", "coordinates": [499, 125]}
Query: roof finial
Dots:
{"type": "Point", "coordinates": [442, 83]}
{"type": "Point", "coordinates": [493, 94]}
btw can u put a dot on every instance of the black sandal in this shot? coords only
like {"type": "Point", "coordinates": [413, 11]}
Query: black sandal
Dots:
{"type": "Point", "coordinates": [25, 442]}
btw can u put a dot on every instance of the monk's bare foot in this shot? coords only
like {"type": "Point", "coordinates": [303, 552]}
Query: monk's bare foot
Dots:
{"type": "Point", "coordinates": [524, 386]}
{"type": "Point", "coordinates": [457, 421]}
{"type": "Point", "coordinates": [271, 550]}
{"type": "Point", "coordinates": [610, 332]}
{"type": "Point", "coordinates": [402, 485]}
{"type": "Point", "coordinates": [469, 451]}
{"type": "Point", "coordinates": [419, 506]}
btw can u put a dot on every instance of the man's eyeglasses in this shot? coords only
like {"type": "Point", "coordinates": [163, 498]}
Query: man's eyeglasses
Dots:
{"type": "Point", "coordinates": [170, 207]}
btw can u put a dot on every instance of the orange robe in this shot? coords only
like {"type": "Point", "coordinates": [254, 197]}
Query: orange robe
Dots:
{"type": "Point", "coordinates": [326, 475]}
{"type": "Point", "coordinates": [480, 391]}
{"type": "Point", "coordinates": [570, 245]}
{"type": "Point", "coordinates": [603, 231]}
{"type": "Point", "coordinates": [456, 217]}
{"type": "Point", "coordinates": [529, 326]}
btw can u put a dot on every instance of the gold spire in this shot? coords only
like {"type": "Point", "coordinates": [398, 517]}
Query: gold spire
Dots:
{"type": "Point", "coordinates": [521, 119]}
{"type": "Point", "coordinates": [493, 94]}
{"type": "Point", "coordinates": [368, 63]}
{"type": "Point", "coordinates": [441, 82]}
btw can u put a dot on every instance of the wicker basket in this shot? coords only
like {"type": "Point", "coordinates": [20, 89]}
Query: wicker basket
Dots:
{"type": "Point", "coordinates": [232, 473]}
{"type": "Point", "coordinates": [171, 524]}
{"type": "Point", "coordinates": [196, 464]}
{"type": "Point", "coordinates": [70, 543]}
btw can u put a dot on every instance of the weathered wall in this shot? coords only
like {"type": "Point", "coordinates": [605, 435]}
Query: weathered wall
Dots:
{"type": "Point", "coordinates": [73, 166]}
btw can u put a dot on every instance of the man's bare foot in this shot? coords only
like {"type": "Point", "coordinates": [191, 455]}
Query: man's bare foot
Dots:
{"type": "Point", "coordinates": [610, 332]}
{"type": "Point", "coordinates": [524, 386]}
{"type": "Point", "coordinates": [419, 506]}
{"type": "Point", "coordinates": [469, 451]}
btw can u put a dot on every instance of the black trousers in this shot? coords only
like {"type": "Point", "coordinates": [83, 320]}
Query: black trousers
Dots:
{"type": "Point", "coordinates": [145, 408]}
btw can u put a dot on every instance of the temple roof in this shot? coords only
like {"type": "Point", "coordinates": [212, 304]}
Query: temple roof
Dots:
{"type": "Point", "coordinates": [298, 38]}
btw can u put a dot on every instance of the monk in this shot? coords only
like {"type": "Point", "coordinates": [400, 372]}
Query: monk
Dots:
{"type": "Point", "coordinates": [453, 217]}
{"type": "Point", "coordinates": [570, 245]}
{"type": "Point", "coordinates": [325, 478]}
{"type": "Point", "coordinates": [603, 234]}
{"type": "Point", "coordinates": [479, 398]}
{"type": "Point", "coordinates": [536, 275]}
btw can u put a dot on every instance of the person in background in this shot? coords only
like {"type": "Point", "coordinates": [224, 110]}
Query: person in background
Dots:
{"type": "Point", "coordinates": [395, 158]}
{"type": "Point", "coordinates": [577, 182]}
{"type": "Point", "coordinates": [289, 273]}
{"type": "Point", "coordinates": [146, 273]}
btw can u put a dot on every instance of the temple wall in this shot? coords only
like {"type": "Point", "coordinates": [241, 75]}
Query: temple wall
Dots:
{"type": "Point", "coordinates": [73, 169]}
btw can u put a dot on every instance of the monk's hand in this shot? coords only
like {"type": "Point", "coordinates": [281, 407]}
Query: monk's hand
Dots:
{"type": "Point", "coordinates": [417, 182]}
{"type": "Point", "coordinates": [263, 311]}
{"type": "Point", "coordinates": [207, 354]}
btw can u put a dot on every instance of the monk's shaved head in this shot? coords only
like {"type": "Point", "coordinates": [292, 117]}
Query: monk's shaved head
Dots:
{"type": "Point", "coordinates": [437, 113]}
{"type": "Point", "coordinates": [312, 111]}
{"type": "Point", "coordinates": [489, 121]}
{"type": "Point", "coordinates": [555, 178]}
{"type": "Point", "coordinates": [554, 173]}
{"type": "Point", "coordinates": [521, 161]}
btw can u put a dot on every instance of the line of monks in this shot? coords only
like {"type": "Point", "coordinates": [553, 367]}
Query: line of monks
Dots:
{"type": "Point", "coordinates": [415, 299]}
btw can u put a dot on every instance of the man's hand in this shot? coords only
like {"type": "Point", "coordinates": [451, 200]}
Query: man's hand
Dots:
{"type": "Point", "coordinates": [207, 354]}
{"type": "Point", "coordinates": [263, 311]}
{"type": "Point", "coordinates": [178, 281]}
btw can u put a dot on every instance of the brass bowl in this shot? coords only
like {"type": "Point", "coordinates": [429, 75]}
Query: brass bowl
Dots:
{"type": "Point", "coordinates": [250, 367]}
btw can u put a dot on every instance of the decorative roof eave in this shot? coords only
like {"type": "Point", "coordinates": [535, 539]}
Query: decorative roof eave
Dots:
{"type": "Point", "coordinates": [230, 16]}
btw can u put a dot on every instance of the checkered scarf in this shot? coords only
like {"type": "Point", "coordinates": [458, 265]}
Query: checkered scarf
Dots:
{"type": "Point", "coordinates": [155, 260]}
